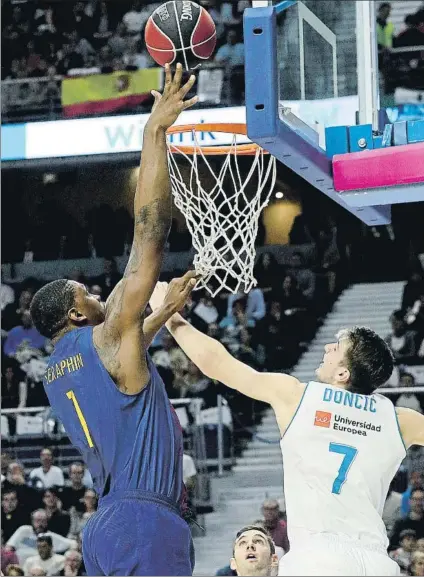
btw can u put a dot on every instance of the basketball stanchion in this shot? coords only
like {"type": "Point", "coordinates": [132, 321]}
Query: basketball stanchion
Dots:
{"type": "Point", "coordinates": [222, 210]}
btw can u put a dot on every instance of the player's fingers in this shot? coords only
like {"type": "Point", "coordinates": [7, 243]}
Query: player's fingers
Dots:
{"type": "Point", "coordinates": [189, 287]}
{"type": "Point", "coordinates": [168, 76]}
{"type": "Point", "coordinates": [177, 77]}
{"type": "Point", "coordinates": [190, 274]}
{"type": "Point", "coordinates": [187, 86]}
{"type": "Point", "coordinates": [190, 102]}
{"type": "Point", "coordinates": [157, 95]}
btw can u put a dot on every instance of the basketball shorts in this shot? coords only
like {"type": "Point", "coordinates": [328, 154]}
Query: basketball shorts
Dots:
{"type": "Point", "coordinates": [137, 533]}
{"type": "Point", "coordinates": [331, 556]}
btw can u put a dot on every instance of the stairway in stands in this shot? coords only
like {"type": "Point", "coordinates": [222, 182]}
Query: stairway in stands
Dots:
{"type": "Point", "coordinates": [258, 474]}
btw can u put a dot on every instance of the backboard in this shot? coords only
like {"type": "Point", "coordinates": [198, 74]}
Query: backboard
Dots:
{"type": "Point", "coordinates": [312, 65]}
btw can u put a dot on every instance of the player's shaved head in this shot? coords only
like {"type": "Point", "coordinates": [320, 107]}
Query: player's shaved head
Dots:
{"type": "Point", "coordinates": [50, 307]}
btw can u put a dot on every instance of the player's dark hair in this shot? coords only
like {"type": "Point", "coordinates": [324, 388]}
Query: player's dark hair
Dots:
{"type": "Point", "coordinates": [368, 358]}
{"type": "Point", "coordinates": [50, 306]}
{"type": "Point", "coordinates": [259, 529]}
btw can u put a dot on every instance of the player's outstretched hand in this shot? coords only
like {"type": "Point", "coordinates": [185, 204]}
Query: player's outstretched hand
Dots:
{"type": "Point", "coordinates": [175, 294]}
{"type": "Point", "coordinates": [169, 105]}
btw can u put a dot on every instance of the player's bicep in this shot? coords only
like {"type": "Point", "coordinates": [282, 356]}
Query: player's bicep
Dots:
{"type": "Point", "coordinates": [411, 425]}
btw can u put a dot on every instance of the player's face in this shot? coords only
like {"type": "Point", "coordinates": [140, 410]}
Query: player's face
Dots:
{"type": "Point", "coordinates": [89, 305]}
{"type": "Point", "coordinates": [252, 554]}
{"type": "Point", "coordinates": [332, 369]}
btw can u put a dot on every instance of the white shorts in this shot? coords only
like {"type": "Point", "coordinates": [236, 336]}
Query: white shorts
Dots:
{"type": "Point", "coordinates": [331, 557]}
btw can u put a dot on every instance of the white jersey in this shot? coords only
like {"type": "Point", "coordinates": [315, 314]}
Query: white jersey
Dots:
{"type": "Point", "coordinates": [340, 453]}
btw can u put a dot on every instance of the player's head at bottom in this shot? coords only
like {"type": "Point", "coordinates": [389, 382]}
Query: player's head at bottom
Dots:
{"type": "Point", "coordinates": [64, 304]}
{"type": "Point", "coordinates": [359, 361]}
{"type": "Point", "coordinates": [254, 552]}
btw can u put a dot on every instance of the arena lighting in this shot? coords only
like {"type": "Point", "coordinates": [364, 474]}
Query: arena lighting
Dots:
{"type": "Point", "coordinates": [279, 195]}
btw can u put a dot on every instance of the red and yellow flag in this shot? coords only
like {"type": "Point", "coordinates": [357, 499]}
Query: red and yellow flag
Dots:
{"type": "Point", "coordinates": [100, 93]}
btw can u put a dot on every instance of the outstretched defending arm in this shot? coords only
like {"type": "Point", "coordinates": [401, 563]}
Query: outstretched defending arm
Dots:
{"type": "Point", "coordinates": [217, 363]}
{"type": "Point", "coordinates": [152, 215]}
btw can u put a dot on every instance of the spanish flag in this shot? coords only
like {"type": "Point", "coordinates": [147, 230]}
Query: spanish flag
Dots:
{"type": "Point", "coordinates": [102, 93]}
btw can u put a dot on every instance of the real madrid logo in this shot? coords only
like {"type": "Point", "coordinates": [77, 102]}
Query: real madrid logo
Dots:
{"type": "Point", "coordinates": [122, 82]}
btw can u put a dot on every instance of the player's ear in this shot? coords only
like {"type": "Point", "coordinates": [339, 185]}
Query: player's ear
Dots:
{"type": "Point", "coordinates": [274, 562]}
{"type": "Point", "coordinates": [233, 564]}
{"type": "Point", "coordinates": [343, 375]}
{"type": "Point", "coordinates": [76, 316]}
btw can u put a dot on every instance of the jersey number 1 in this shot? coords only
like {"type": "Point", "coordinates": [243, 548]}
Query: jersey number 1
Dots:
{"type": "Point", "coordinates": [72, 397]}
{"type": "Point", "coordinates": [349, 456]}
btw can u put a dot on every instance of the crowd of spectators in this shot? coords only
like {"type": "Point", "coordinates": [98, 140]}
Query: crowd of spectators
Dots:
{"type": "Point", "coordinates": [401, 68]}
{"type": "Point", "coordinates": [406, 338]}
{"type": "Point", "coordinates": [44, 512]}
{"type": "Point", "coordinates": [52, 40]}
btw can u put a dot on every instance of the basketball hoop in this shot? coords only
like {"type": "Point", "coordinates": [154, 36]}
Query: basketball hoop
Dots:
{"type": "Point", "coordinates": [223, 222]}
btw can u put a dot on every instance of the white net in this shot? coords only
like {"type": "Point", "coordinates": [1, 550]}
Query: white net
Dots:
{"type": "Point", "coordinates": [222, 212]}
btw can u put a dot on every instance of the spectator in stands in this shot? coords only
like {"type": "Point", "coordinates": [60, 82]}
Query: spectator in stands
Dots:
{"type": "Point", "coordinates": [268, 272]}
{"type": "Point", "coordinates": [400, 340]}
{"type": "Point", "coordinates": [415, 316]}
{"type": "Point", "coordinates": [13, 390]}
{"type": "Point", "coordinates": [12, 313]}
{"type": "Point", "coordinates": [391, 511]}
{"type": "Point", "coordinates": [412, 290]}
{"type": "Point", "coordinates": [109, 278]}
{"type": "Point", "coordinates": [254, 552]}
{"type": "Point", "coordinates": [72, 496]}
{"type": "Point", "coordinates": [51, 562]}
{"type": "Point", "coordinates": [13, 515]}
{"type": "Point", "coordinates": [412, 35]}
{"type": "Point", "coordinates": [119, 42]}
{"type": "Point", "coordinates": [24, 540]}
{"type": "Point", "coordinates": [273, 523]}
{"type": "Point", "coordinates": [7, 296]}
{"type": "Point", "coordinates": [8, 560]}
{"type": "Point", "coordinates": [24, 336]}
{"type": "Point", "coordinates": [37, 571]}
{"type": "Point", "coordinates": [172, 359]}
{"type": "Point", "coordinates": [305, 277]}
{"type": "Point", "coordinates": [73, 564]}
{"type": "Point", "coordinates": [136, 18]}
{"type": "Point", "coordinates": [402, 555]}
{"type": "Point", "coordinates": [385, 28]}
{"type": "Point", "coordinates": [15, 571]}
{"type": "Point", "coordinates": [255, 307]}
{"type": "Point", "coordinates": [58, 521]}
{"type": "Point", "coordinates": [415, 482]}
{"type": "Point", "coordinates": [48, 475]}
{"type": "Point", "coordinates": [414, 520]}
{"type": "Point", "coordinates": [189, 472]}
{"type": "Point", "coordinates": [244, 351]}
{"type": "Point", "coordinates": [69, 59]}
{"type": "Point", "coordinates": [232, 53]}
{"type": "Point", "coordinates": [417, 564]}
{"type": "Point", "coordinates": [80, 515]}
{"type": "Point", "coordinates": [137, 57]}
{"type": "Point", "coordinates": [408, 400]}
{"type": "Point", "coordinates": [28, 497]}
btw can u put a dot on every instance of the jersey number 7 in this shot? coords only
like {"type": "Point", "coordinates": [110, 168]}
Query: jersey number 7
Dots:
{"type": "Point", "coordinates": [349, 456]}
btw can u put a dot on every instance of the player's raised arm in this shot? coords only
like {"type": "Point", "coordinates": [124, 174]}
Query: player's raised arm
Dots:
{"type": "Point", "coordinates": [411, 424]}
{"type": "Point", "coordinates": [152, 211]}
{"type": "Point", "coordinates": [217, 363]}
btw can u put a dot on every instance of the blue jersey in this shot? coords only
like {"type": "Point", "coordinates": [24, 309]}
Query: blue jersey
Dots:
{"type": "Point", "coordinates": [129, 442]}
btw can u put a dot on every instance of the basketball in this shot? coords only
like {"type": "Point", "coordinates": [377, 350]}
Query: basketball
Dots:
{"type": "Point", "coordinates": [180, 32]}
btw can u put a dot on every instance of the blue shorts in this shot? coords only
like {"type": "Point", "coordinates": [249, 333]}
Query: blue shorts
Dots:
{"type": "Point", "coordinates": [137, 533]}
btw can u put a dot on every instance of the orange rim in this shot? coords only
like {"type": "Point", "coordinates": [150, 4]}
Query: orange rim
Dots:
{"type": "Point", "coordinates": [249, 149]}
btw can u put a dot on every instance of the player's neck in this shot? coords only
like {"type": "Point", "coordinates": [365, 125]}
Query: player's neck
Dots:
{"type": "Point", "coordinates": [62, 333]}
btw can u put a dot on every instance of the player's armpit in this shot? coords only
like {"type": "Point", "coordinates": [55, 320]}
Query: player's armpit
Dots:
{"type": "Point", "coordinates": [217, 363]}
{"type": "Point", "coordinates": [411, 424]}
